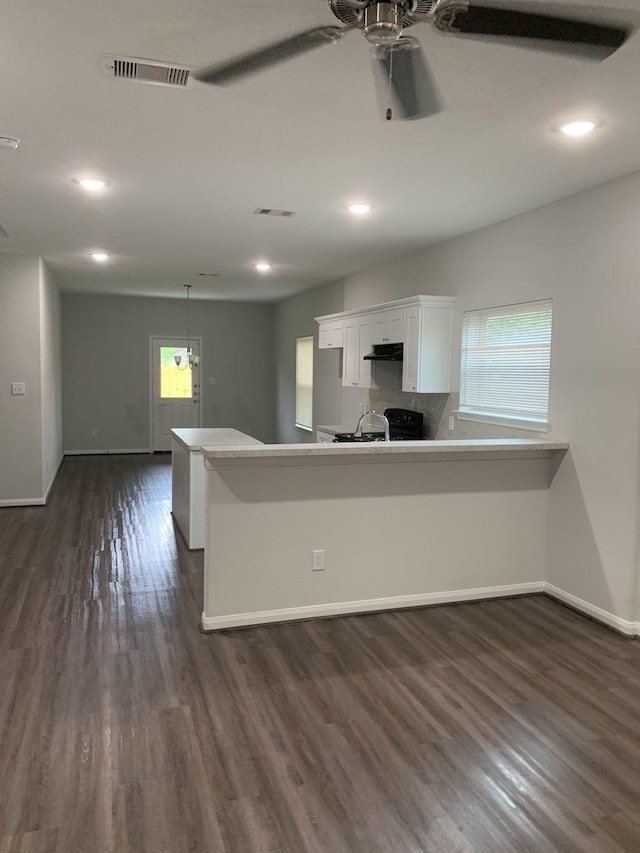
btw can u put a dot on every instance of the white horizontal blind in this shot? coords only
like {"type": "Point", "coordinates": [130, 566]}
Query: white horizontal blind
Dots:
{"type": "Point", "coordinates": [304, 382]}
{"type": "Point", "coordinates": [506, 356]}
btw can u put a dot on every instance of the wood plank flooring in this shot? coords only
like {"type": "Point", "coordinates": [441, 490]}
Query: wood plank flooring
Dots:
{"type": "Point", "coordinates": [507, 725]}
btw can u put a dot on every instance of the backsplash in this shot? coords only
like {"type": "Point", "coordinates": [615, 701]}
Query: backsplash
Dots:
{"type": "Point", "coordinates": [436, 409]}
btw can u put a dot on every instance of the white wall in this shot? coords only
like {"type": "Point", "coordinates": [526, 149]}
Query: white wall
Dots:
{"type": "Point", "coordinates": [584, 252]}
{"type": "Point", "coordinates": [20, 417]}
{"type": "Point", "coordinates": [51, 377]}
{"type": "Point", "coordinates": [105, 357]}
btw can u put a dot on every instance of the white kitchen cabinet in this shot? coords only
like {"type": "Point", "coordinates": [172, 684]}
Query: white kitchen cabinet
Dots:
{"type": "Point", "coordinates": [331, 334]}
{"type": "Point", "coordinates": [426, 368]}
{"type": "Point", "coordinates": [356, 372]}
{"type": "Point", "coordinates": [423, 324]}
{"type": "Point", "coordinates": [387, 327]}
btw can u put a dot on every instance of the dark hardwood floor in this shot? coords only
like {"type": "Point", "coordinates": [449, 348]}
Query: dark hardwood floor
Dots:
{"type": "Point", "coordinates": [507, 725]}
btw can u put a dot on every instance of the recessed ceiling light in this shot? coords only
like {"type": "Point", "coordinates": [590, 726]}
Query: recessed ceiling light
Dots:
{"type": "Point", "coordinates": [263, 266]}
{"type": "Point", "coordinates": [578, 128]}
{"type": "Point", "coordinates": [92, 185]}
{"type": "Point", "coordinates": [360, 208]}
{"type": "Point", "coordinates": [100, 257]}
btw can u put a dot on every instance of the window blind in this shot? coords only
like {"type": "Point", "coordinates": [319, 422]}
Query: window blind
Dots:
{"type": "Point", "coordinates": [506, 358]}
{"type": "Point", "coordinates": [304, 382]}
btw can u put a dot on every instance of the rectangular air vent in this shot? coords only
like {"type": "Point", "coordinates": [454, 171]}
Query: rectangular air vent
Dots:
{"type": "Point", "coordinates": [270, 211]}
{"type": "Point", "coordinates": [145, 70]}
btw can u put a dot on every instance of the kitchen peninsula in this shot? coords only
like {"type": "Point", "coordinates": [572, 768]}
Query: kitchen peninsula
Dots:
{"type": "Point", "coordinates": [396, 524]}
{"type": "Point", "coordinates": [188, 476]}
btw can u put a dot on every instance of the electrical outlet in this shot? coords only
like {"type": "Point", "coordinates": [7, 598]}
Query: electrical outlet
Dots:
{"type": "Point", "coordinates": [452, 422]}
{"type": "Point", "coordinates": [18, 389]}
{"type": "Point", "coordinates": [94, 433]}
{"type": "Point", "coordinates": [317, 561]}
{"type": "Point", "coordinates": [212, 380]}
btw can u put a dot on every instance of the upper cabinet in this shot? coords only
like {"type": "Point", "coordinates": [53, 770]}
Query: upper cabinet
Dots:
{"type": "Point", "coordinates": [423, 324]}
{"type": "Point", "coordinates": [331, 334]}
{"type": "Point", "coordinates": [387, 327]}
{"type": "Point", "coordinates": [426, 368]}
{"type": "Point", "coordinates": [356, 372]}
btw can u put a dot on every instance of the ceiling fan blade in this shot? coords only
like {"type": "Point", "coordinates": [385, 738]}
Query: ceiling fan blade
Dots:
{"type": "Point", "coordinates": [279, 51]}
{"type": "Point", "coordinates": [590, 39]}
{"type": "Point", "coordinates": [413, 88]}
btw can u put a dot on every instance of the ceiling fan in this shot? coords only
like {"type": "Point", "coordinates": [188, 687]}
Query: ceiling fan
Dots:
{"type": "Point", "coordinates": [400, 58]}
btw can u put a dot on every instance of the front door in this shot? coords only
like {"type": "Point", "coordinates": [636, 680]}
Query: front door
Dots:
{"type": "Point", "coordinates": [175, 390]}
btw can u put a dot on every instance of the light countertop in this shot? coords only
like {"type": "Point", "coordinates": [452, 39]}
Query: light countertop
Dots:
{"type": "Point", "coordinates": [194, 439]}
{"type": "Point", "coordinates": [377, 451]}
{"type": "Point", "coordinates": [333, 430]}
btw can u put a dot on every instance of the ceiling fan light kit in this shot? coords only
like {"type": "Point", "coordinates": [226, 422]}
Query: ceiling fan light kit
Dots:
{"type": "Point", "coordinates": [401, 58]}
{"type": "Point", "coordinates": [382, 23]}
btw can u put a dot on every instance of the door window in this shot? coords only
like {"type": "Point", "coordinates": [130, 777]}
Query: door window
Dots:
{"type": "Point", "coordinates": [174, 383]}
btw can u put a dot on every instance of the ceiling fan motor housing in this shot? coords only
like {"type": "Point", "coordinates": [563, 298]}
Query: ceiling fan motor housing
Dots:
{"type": "Point", "coordinates": [383, 22]}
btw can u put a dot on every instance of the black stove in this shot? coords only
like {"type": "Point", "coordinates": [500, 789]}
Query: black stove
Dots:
{"type": "Point", "coordinates": [404, 425]}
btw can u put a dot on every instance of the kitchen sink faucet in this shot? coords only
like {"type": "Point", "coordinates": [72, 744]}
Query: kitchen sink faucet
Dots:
{"type": "Point", "coordinates": [364, 418]}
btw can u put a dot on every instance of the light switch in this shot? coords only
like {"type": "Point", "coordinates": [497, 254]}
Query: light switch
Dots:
{"type": "Point", "coordinates": [18, 389]}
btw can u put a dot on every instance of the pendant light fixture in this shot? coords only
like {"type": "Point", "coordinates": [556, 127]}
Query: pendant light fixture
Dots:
{"type": "Point", "coordinates": [190, 360]}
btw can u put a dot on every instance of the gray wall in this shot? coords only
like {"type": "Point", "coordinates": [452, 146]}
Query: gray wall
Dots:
{"type": "Point", "coordinates": [105, 357]}
{"type": "Point", "coordinates": [584, 252]}
{"type": "Point", "coordinates": [20, 417]}
{"type": "Point", "coordinates": [30, 425]}
{"type": "Point", "coordinates": [294, 318]}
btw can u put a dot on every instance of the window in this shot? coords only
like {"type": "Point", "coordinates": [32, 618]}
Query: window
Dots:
{"type": "Point", "coordinates": [174, 383]}
{"type": "Point", "coordinates": [504, 373]}
{"type": "Point", "coordinates": [304, 383]}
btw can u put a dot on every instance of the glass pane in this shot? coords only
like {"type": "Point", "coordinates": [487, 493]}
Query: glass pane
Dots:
{"type": "Point", "coordinates": [304, 382]}
{"type": "Point", "coordinates": [173, 381]}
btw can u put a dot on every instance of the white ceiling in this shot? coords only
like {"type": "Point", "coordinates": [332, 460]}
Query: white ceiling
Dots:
{"type": "Point", "coordinates": [188, 167]}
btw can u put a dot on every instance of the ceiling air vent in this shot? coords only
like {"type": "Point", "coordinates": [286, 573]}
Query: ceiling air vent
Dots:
{"type": "Point", "coordinates": [145, 70]}
{"type": "Point", "coordinates": [270, 211]}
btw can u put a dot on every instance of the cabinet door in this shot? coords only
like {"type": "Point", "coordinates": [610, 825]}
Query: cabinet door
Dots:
{"type": "Point", "coordinates": [396, 327]}
{"type": "Point", "coordinates": [356, 372]}
{"type": "Point", "coordinates": [364, 342]}
{"type": "Point", "coordinates": [434, 372]}
{"type": "Point", "coordinates": [387, 327]}
{"type": "Point", "coordinates": [330, 335]}
{"type": "Point", "coordinates": [411, 362]}
{"type": "Point", "coordinates": [350, 366]}
{"type": "Point", "coordinates": [379, 328]}
{"type": "Point", "coordinates": [427, 350]}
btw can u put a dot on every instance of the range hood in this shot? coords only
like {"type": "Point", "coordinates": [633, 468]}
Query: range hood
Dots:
{"type": "Point", "coordinates": [385, 352]}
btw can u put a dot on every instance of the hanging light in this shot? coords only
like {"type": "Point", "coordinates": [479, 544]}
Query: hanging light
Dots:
{"type": "Point", "coordinates": [190, 359]}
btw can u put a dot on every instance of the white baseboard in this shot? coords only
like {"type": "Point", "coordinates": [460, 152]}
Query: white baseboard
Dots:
{"type": "Point", "coordinates": [342, 608]}
{"type": "Point", "coordinates": [105, 452]}
{"type": "Point", "coordinates": [630, 629]}
{"type": "Point", "coordinates": [23, 502]}
{"type": "Point", "coordinates": [53, 479]}
{"type": "Point", "coordinates": [41, 501]}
